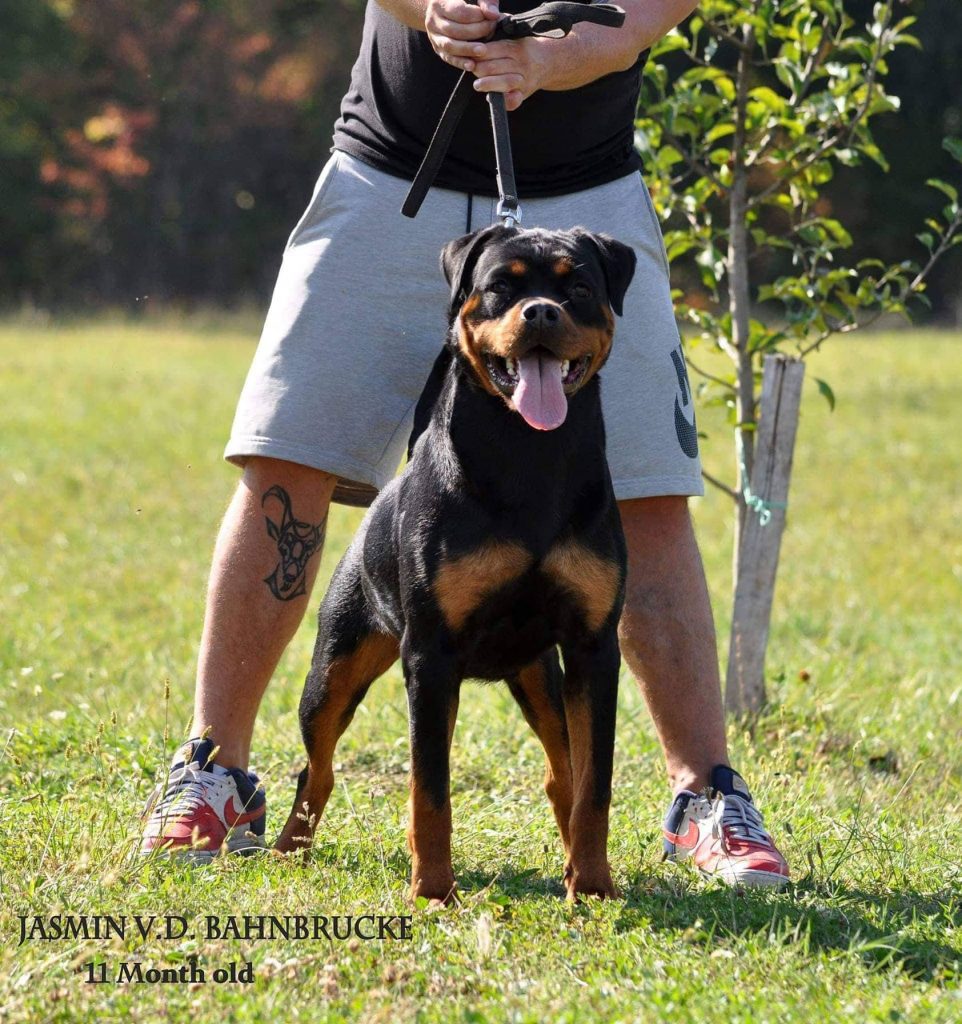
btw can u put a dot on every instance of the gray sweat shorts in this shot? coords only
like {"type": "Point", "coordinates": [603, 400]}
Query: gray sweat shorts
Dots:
{"type": "Point", "coordinates": [358, 317]}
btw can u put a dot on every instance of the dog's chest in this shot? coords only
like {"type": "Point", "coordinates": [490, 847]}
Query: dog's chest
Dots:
{"type": "Point", "coordinates": [501, 596]}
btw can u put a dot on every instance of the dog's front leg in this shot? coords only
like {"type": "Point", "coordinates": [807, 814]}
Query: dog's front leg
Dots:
{"type": "Point", "coordinates": [433, 687]}
{"type": "Point", "coordinates": [590, 698]}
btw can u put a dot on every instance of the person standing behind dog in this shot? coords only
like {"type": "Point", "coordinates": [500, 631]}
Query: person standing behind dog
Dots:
{"type": "Point", "coordinates": [355, 323]}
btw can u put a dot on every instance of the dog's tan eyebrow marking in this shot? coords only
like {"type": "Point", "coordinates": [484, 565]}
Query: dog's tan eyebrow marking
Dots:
{"type": "Point", "coordinates": [563, 266]}
{"type": "Point", "coordinates": [518, 267]}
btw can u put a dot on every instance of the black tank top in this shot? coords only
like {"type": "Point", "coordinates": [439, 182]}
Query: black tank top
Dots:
{"type": "Point", "coordinates": [562, 141]}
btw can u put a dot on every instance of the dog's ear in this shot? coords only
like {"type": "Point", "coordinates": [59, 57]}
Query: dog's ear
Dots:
{"type": "Point", "coordinates": [617, 262]}
{"type": "Point", "coordinates": [458, 259]}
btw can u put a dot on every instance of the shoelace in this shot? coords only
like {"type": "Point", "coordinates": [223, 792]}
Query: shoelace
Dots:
{"type": "Point", "coordinates": [740, 817]}
{"type": "Point", "coordinates": [185, 792]}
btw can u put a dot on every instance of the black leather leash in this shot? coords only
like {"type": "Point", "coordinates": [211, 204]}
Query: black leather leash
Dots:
{"type": "Point", "coordinates": [552, 21]}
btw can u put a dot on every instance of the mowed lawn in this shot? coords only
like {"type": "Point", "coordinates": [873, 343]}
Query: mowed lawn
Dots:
{"type": "Point", "coordinates": [111, 490]}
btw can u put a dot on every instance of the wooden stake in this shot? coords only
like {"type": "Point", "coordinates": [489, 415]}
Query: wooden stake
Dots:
{"type": "Point", "coordinates": [759, 545]}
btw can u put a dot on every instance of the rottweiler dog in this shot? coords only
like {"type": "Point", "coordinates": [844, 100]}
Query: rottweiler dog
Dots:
{"type": "Point", "coordinates": [499, 543]}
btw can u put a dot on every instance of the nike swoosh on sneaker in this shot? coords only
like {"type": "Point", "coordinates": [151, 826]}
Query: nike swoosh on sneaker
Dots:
{"type": "Point", "coordinates": [688, 841]}
{"type": "Point", "coordinates": [235, 817]}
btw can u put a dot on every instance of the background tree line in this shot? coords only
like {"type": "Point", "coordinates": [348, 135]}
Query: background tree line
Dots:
{"type": "Point", "coordinates": [161, 153]}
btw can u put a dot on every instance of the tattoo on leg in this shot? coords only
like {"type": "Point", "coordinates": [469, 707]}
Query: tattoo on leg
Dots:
{"type": "Point", "coordinates": [296, 543]}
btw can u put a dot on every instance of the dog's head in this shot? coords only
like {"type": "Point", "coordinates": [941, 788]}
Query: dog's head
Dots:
{"type": "Point", "coordinates": [532, 312]}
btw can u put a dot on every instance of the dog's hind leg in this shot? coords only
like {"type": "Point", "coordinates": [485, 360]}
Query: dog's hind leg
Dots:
{"type": "Point", "coordinates": [348, 656]}
{"type": "Point", "coordinates": [538, 689]}
{"type": "Point", "coordinates": [328, 706]}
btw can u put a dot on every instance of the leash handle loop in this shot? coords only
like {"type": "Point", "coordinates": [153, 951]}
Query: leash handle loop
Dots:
{"type": "Point", "coordinates": [556, 19]}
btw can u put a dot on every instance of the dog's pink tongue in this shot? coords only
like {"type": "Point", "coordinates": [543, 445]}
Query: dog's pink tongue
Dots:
{"type": "Point", "coordinates": [539, 396]}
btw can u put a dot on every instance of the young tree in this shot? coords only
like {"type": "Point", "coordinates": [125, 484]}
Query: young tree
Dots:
{"type": "Point", "coordinates": [747, 111]}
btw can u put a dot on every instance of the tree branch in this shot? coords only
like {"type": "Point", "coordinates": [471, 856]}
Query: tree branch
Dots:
{"type": "Point", "coordinates": [911, 289]}
{"type": "Point", "coordinates": [938, 252]}
{"type": "Point", "coordinates": [724, 488]}
{"type": "Point", "coordinates": [693, 163]}
{"type": "Point", "coordinates": [726, 36]}
{"type": "Point", "coordinates": [710, 376]}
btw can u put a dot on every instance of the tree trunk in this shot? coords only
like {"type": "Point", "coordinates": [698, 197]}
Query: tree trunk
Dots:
{"type": "Point", "coordinates": [739, 293]}
{"type": "Point", "coordinates": [761, 532]}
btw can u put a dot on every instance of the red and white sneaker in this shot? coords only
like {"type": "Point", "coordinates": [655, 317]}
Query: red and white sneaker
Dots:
{"type": "Point", "coordinates": [721, 831]}
{"type": "Point", "coordinates": [204, 809]}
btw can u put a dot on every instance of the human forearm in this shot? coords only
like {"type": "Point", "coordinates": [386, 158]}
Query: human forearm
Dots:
{"type": "Point", "coordinates": [408, 12]}
{"type": "Point", "coordinates": [458, 30]}
{"type": "Point", "coordinates": [591, 51]}
{"type": "Point", "coordinates": [519, 68]}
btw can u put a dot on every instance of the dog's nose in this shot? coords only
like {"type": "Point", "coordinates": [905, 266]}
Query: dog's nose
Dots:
{"type": "Point", "coordinates": [541, 314]}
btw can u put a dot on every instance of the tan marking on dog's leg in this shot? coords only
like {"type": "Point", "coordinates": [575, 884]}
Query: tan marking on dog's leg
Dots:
{"type": "Point", "coordinates": [463, 583]}
{"type": "Point", "coordinates": [429, 838]}
{"type": "Point", "coordinates": [548, 724]}
{"type": "Point", "coordinates": [594, 580]}
{"type": "Point", "coordinates": [590, 873]}
{"type": "Point", "coordinates": [346, 679]}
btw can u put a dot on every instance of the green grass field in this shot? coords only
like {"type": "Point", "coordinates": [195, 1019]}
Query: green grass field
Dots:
{"type": "Point", "coordinates": [111, 489]}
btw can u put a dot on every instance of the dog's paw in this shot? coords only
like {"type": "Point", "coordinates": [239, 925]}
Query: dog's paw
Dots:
{"type": "Point", "coordinates": [439, 892]}
{"type": "Point", "coordinates": [582, 884]}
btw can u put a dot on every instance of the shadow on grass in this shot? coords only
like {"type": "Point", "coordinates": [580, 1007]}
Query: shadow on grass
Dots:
{"type": "Point", "coordinates": [880, 929]}
{"type": "Point", "coordinates": [900, 929]}
{"type": "Point", "coordinates": [512, 882]}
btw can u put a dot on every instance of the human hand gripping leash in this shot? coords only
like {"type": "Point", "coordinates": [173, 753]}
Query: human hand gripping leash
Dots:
{"type": "Point", "coordinates": [550, 21]}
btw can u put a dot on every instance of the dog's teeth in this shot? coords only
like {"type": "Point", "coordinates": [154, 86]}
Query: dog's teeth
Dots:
{"type": "Point", "coordinates": [512, 365]}
{"type": "Point", "coordinates": [565, 367]}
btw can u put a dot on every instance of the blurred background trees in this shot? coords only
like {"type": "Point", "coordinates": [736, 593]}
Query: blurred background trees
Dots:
{"type": "Point", "coordinates": [155, 154]}
{"type": "Point", "coordinates": [161, 150]}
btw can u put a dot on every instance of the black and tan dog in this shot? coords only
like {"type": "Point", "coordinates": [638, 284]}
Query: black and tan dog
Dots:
{"type": "Point", "coordinates": [500, 542]}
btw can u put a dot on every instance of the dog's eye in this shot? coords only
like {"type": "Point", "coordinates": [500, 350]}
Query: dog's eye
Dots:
{"type": "Point", "coordinates": [580, 291]}
{"type": "Point", "coordinates": [499, 286]}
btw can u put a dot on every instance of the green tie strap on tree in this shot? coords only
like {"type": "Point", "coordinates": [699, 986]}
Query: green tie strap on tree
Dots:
{"type": "Point", "coordinates": [757, 504]}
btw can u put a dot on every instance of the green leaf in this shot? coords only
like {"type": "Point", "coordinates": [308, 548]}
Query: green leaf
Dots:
{"type": "Point", "coordinates": [725, 87]}
{"type": "Point", "coordinates": [787, 72]}
{"type": "Point", "coordinates": [944, 187]}
{"type": "Point", "coordinates": [678, 246]}
{"type": "Point", "coordinates": [874, 153]}
{"type": "Point", "coordinates": [719, 132]}
{"type": "Point", "coordinates": [841, 236]}
{"type": "Point", "coordinates": [768, 98]}
{"type": "Point", "coordinates": [673, 41]}
{"type": "Point", "coordinates": [953, 146]}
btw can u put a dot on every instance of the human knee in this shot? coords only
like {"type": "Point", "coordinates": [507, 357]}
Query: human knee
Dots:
{"type": "Point", "coordinates": [263, 472]}
{"type": "Point", "coordinates": [638, 626]}
{"type": "Point", "coordinates": [664, 515]}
